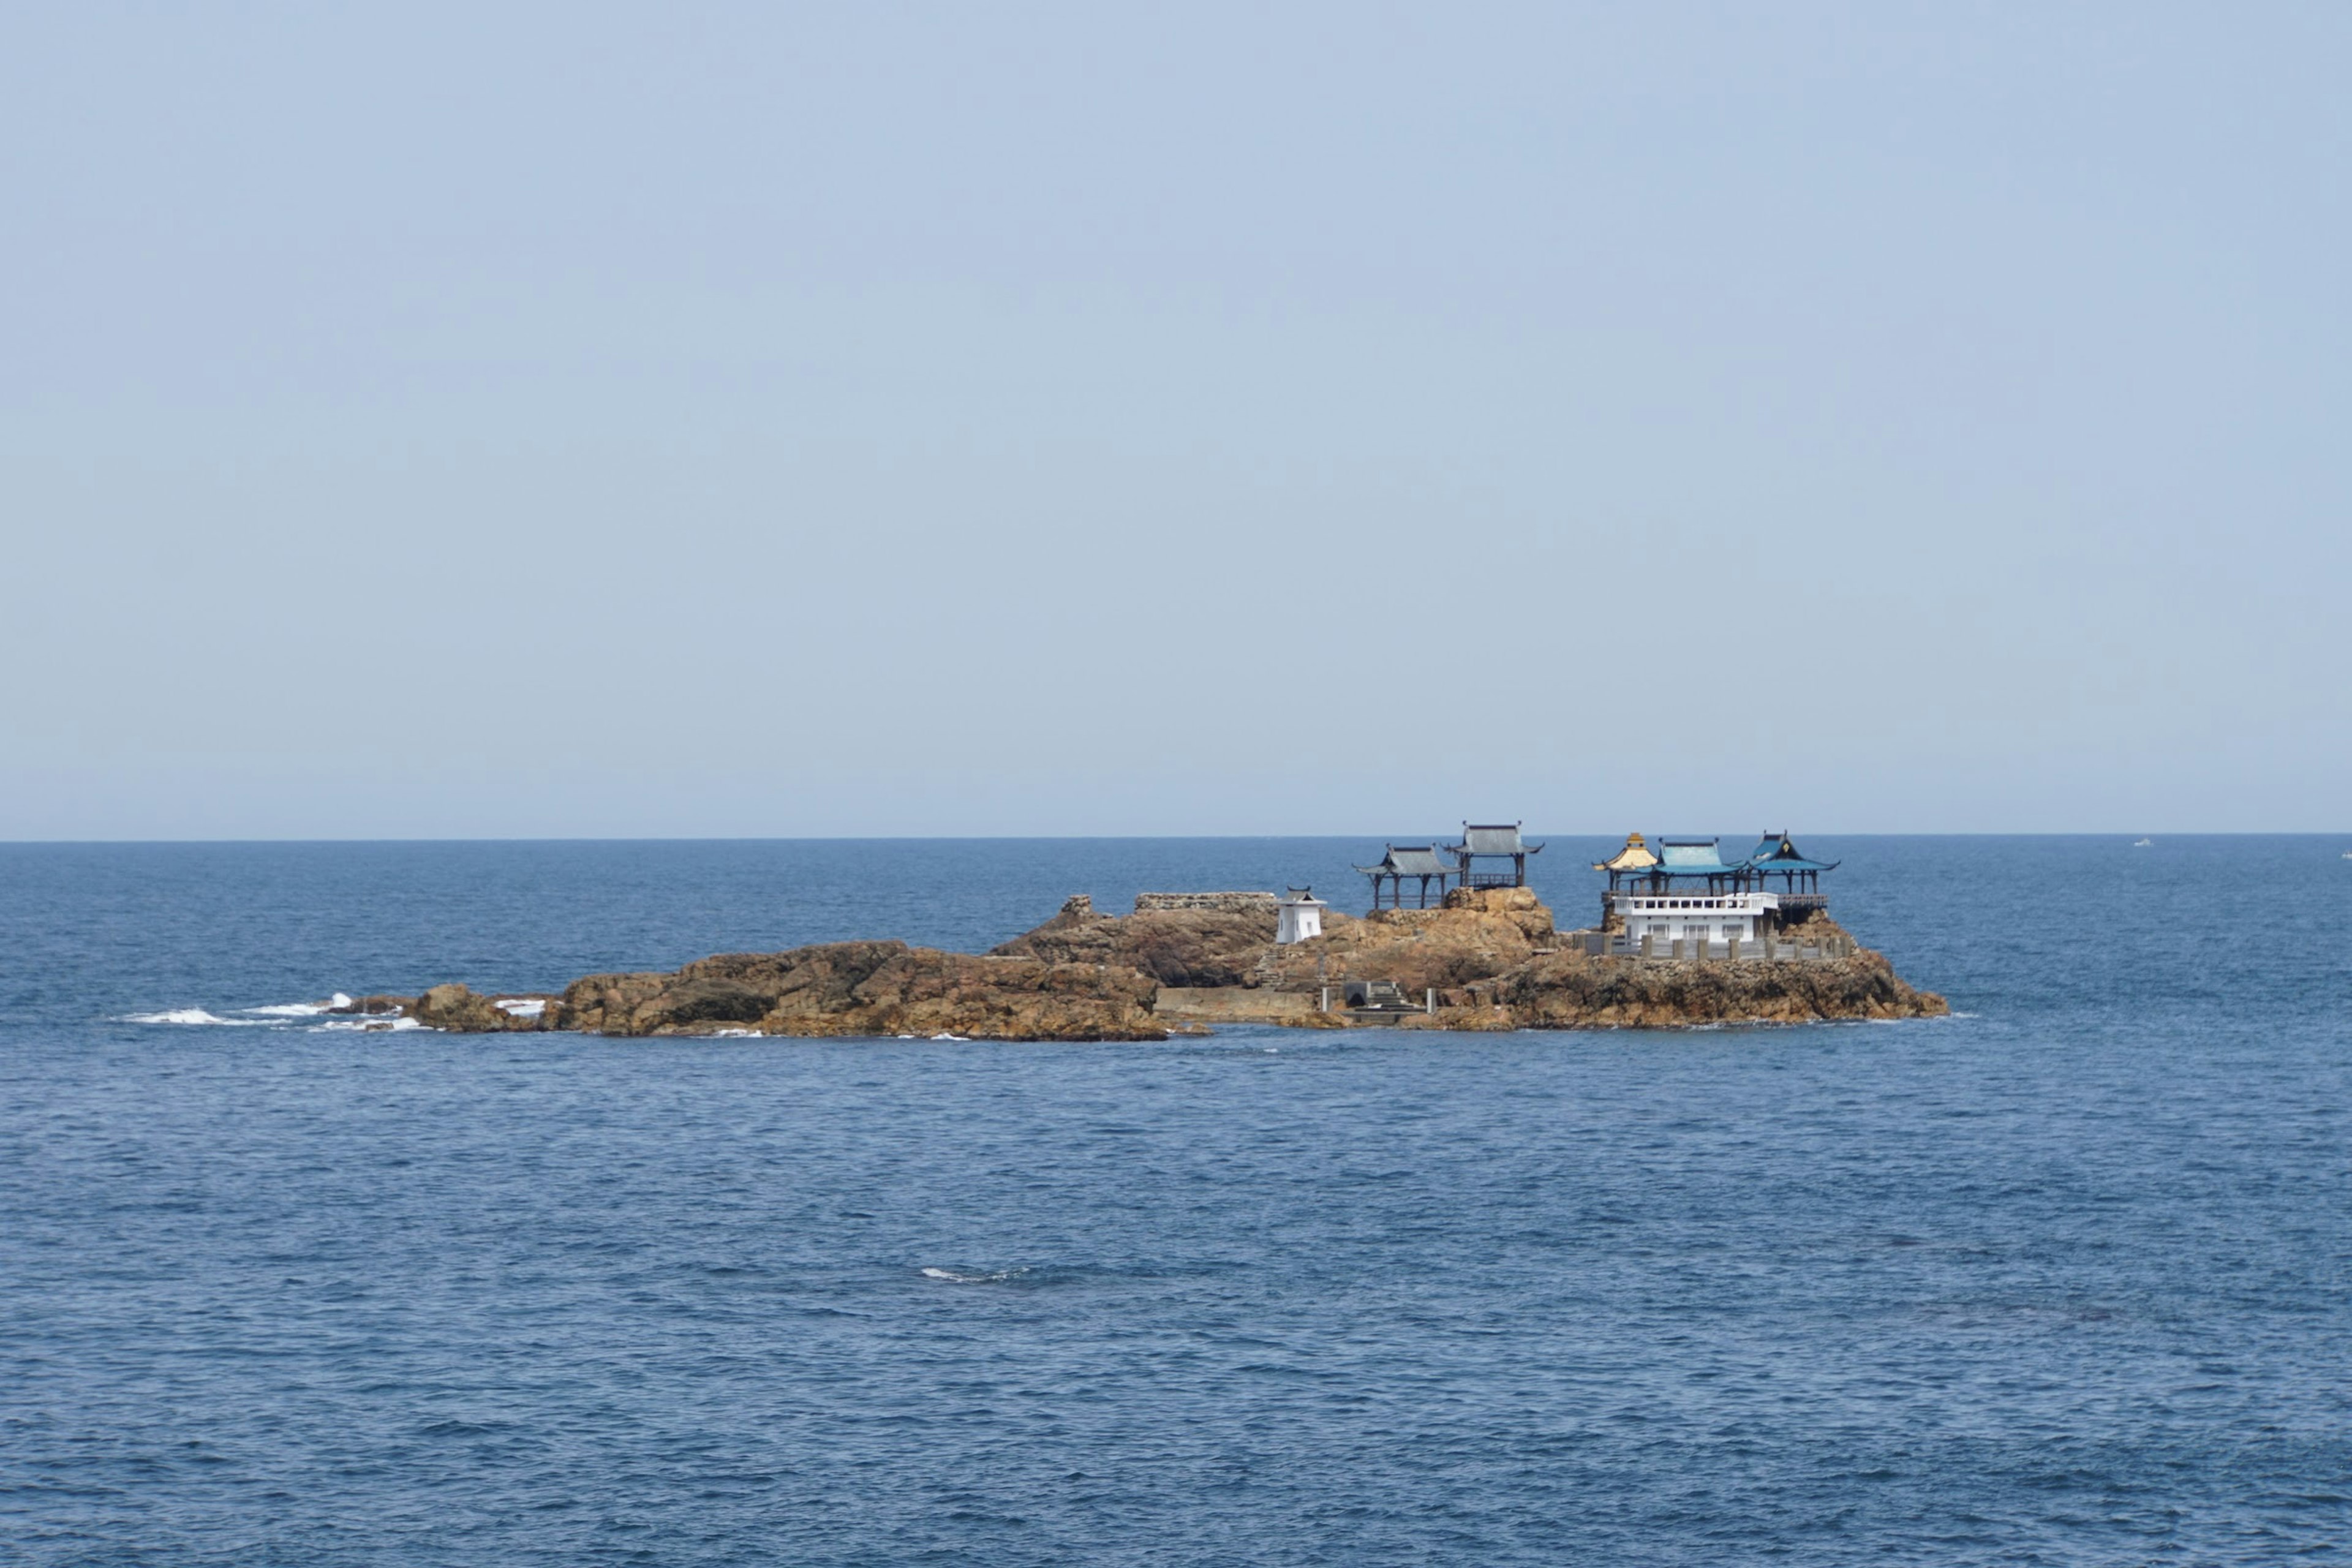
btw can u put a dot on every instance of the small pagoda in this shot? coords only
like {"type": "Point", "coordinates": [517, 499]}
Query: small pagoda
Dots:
{"type": "Point", "coordinates": [1800, 878]}
{"type": "Point", "coordinates": [1493, 841]}
{"type": "Point", "coordinates": [1418, 863]}
{"type": "Point", "coordinates": [1631, 861]}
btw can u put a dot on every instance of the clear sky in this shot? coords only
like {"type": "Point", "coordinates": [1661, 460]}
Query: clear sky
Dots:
{"type": "Point", "coordinates": [582, 420]}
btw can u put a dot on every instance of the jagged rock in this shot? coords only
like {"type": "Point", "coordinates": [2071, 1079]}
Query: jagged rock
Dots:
{"type": "Point", "coordinates": [1519, 906]}
{"type": "Point", "coordinates": [456, 1009]}
{"type": "Point", "coordinates": [1571, 990]}
{"type": "Point", "coordinates": [1491, 957]}
{"type": "Point", "coordinates": [924, 992]}
{"type": "Point", "coordinates": [872, 988]}
{"type": "Point", "coordinates": [1217, 946]}
{"type": "Point", "coordinates": [1495, 961]}
{"type": "Point", "coordinates": [730, 989]}
{"type": "Point", "coordinates": [459, 1011]}
{"type": "Point", "coordinates": [1475, 935]}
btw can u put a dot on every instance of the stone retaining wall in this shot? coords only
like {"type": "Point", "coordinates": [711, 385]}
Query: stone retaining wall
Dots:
{"type": "Point", "coordinates": [1223, 903]}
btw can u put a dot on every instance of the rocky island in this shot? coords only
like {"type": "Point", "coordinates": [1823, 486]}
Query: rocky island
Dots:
{"type": "Point", "coordinates": [1480, 959]}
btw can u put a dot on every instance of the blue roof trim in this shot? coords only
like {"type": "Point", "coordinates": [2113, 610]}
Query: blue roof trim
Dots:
{"type": "Point", "coordinates": [1776, 854]}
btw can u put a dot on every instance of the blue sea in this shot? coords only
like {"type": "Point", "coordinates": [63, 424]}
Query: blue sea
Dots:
{"type": "Point", "coordinates": [2064, 1279]}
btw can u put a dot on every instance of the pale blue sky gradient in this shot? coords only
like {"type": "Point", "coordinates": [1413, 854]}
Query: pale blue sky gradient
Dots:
{"type": "Point", "coordinates": [585, 420]}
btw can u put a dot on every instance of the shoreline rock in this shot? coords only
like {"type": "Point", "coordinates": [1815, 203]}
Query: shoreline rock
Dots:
{"type": "Point", "coordinates": [1489, 960]}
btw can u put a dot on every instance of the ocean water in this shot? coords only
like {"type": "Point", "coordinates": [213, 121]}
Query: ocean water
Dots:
{"type": "Point", "coordinates": [2066, 1279]}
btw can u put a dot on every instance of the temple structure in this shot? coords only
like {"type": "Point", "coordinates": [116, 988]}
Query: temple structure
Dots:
{"type": "Point", "coordinates": [1418, 863]}
{"type": "Point", "coordinates": [1686, 923]}
{"type": "Point", "coordinates": [1801, 880]}
{"type": "Point", "coordinates": [1493, 841]}
{"type": "Point", "coordinates": [1684, 901]}
{"type": "Point", "coordinates": [1630, 861]}
{"type": "Point", "coordinates": [1684, 863]}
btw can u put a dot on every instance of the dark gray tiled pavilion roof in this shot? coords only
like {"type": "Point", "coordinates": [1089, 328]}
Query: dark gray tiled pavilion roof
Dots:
{"type": "Point", "coordinates": [1411, 860]}
{"type": "Point", "coordinates": [1494, 838]}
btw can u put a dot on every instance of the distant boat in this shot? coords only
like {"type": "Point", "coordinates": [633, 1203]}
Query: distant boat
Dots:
{"type": "Point", "coordinates": [2150, 843]}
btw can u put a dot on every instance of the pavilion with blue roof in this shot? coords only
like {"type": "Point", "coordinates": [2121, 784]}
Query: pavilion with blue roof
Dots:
{"type": "Point", "coordinates": [1800, 878]}
{"type": "Point", "coordinates": [1676, 862]}
{"type": "Point", "coordinates": [1679, 897]}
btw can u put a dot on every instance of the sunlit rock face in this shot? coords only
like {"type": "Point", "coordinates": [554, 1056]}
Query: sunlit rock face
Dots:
{"type": "Point", "coordinates": [1488, 959]}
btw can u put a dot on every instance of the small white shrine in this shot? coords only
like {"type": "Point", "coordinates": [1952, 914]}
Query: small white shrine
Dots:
{"type": "Point", "coordinates": [1299, 917]}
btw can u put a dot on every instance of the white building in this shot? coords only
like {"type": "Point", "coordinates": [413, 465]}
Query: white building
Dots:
{"type": "Point", "coordinates": [1300, 916]}
{"type": "Point", "coordinates": [1682, 900]}
{"type": "Point", "coordinates": [1679, 921]}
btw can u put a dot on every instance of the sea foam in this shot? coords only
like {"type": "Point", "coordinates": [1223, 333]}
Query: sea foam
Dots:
{"type": "Point", "coordinates": [301, 1009]}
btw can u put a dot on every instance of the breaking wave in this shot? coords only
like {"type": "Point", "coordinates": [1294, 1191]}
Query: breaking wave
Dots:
{"type": "Point", "coordinates": [952, 1278]}
{"type": "Point", "coordinates": [192, 1015]}
{"type": "Point", "coordinates": [301, 1009]}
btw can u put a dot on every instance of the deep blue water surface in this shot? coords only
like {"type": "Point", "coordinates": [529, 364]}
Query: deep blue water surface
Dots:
{"type": "Point", "coordinates": [2066, 1279]}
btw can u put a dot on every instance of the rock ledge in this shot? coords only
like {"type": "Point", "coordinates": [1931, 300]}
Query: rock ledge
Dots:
{"type": "Point", "coordinates": [1488, 960]}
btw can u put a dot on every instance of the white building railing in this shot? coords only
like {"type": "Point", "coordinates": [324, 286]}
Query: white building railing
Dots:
{"type": "Point", "coordinates": [1617, 944]}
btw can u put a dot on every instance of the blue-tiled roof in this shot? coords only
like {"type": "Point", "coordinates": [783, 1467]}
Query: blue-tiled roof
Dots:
{"type": "Point", "coordinates": [1690, 858]}
{"type": "Point", "coordinates": [1777, 853]}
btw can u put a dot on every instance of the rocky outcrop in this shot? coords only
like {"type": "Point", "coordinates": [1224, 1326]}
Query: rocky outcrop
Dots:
{"type": "Point", "coordinates": [1489, 960]}
{"type": "Point", "coordinates": [1183, 946]}
{"type": "Point", "coordinates": [1493, 960]}
{"type": "Point", "coordinates": [1477, 935]}
{"type": "Point", "coordinates": [871, 988]}
{"type": "Point", "coordinates": [461, 1011]}
{"type": "Point", "coordinates": [457, 1009]}
{"type": "Point", "coordinates": [1565, 992]}
{"type": "Point", "coordinates": [1572, 990]}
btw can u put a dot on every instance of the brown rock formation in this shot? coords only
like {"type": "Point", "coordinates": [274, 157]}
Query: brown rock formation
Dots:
{"type": "Point", "coordinates": [460, 1011]}
{"type": "Point", "coordinates": [1861, 985]}
{"type": "Point", "coordinates": [872, 988]}
{"type": "Point", "coordinates": [456, 1009]}
{"type": "Point", "coordinates": [1571, 990]}
{"type": "Point", "coordinates": [1494, 963]}
{"type": "Point", "coordinates": [1491, 957]}
{"type": "Point", "coordinates": [1197, 946]}
{"type": "Point", "coordinates": [1478, 934]}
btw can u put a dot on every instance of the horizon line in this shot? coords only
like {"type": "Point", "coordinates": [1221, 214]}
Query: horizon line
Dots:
{"type": "Point", "coordinates": [1120, 838]}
